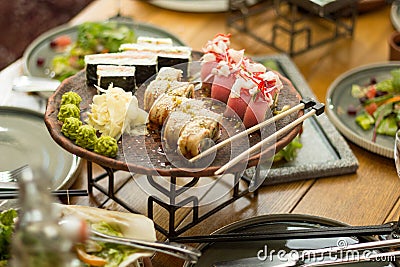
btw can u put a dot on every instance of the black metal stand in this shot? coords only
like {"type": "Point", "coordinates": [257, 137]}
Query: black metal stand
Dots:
{"type": "Point", "coordinates": [172, 206]}
{"type": "Point", "coordinates": [289, 22]}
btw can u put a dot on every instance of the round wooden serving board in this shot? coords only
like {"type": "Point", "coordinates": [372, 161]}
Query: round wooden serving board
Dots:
{"type": "Point", "coordinates": [141, 154]}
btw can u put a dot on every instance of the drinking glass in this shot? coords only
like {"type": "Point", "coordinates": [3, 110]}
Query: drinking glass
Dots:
{"type": "Point", "coordinates": [397, 152]}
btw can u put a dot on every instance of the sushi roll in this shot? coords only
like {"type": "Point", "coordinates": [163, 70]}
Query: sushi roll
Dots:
{"type": "Point", "coordinates": [167, 81]}
{"type": "Point", "coordinates": [194, 132]}
{"type": "Point", "coordinates": [180, 122]}
{"type": "Point", "coordinates": [239, 97]}
{"type": "Point", "coordinates": [225, 74]}
{"type": "Point", "coordinates": [263, 98]}
{"type": "Point", "coordinates": [154, 40]}
{"type": "Point", "coordinates": [178, 56]}
{"type": "Point", "coordinates": [145, 69]}
{"type": "Point", "coordinates": [223, 81]}
{"type": "Point", "coordinates": [167, 56]}
{"type": "Point", "coordinates": [161, 109]}
{"type": "Point", "coordinates": [170, 74]}
{"type": "Point", "coordinates": [145, 64]}
{"type": "Point", "coordinates": [153, 91]}
{"type": "Point", "coordinates": [158, 87]}
{"type": "Point", "coordinates": [214, 52]}
{"type": "Point", "coordinates": [173, 127]}
{"type": "Point", "coordinates": [119, 76]}
{"type": "Point", "coordinates": [185, 89]}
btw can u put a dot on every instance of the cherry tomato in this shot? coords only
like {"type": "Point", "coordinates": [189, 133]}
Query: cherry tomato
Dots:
{"type": "Point", "coordinates": [60, 41]}
{"type": "Point", "coordinates": [371, 93]}
{"type": "Point", "coordinates": [371, 108]}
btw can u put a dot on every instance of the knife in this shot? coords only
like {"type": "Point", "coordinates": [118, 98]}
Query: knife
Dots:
{"type": "Point", "coordinates": [35, 84]}
{"type": "Point", "coordinates": [315, 257]}
{"type": "Point", "coordinates": [337, 231]}
{"type": "Point", "coordinates": [8, 186]}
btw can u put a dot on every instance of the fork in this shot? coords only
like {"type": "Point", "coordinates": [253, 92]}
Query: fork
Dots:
{"type": "Point", "coordinates": [185, 252]}
{"type": "Point", "coordinates": [12, 175]}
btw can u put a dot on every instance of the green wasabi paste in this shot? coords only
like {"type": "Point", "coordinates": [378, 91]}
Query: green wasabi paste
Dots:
{"type": "Point", "coordinates": [67, 111]}
{"type": "Point", "coordinates": [71, 98]}
{"type": "Point", "coordinates": [86, 136]}
{"type": "Point", "coordinates": [70, 127]}
{"type": "Point", "coordinates": [106, 145]}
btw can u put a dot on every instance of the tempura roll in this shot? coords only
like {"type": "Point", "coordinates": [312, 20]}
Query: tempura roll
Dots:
{"type": "Point", "coordinates": [194, 134]}
{"type": "Point", "coordinates": [161, 109]}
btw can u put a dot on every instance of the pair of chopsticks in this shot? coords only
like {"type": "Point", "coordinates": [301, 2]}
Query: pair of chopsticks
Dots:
{"type": "Point", "coordinates": [305, 103]}
{"type": "Point", "coordinates": [13, 193]}
{"type": "Point", "coordinates": [338, 231]}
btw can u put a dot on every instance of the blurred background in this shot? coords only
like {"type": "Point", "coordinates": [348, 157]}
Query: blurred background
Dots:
{"type": "Point", "coordinates": [21, 21]}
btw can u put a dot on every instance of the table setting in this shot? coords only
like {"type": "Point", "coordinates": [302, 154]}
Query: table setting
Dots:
{"type": "Point", "coordinates": [227, 203]}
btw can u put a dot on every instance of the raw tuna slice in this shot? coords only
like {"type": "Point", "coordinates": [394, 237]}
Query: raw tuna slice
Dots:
{"type": "Point", "coordinates": [237, 105]}
{"type": "Point", "coordinates": [221, 87]}
{"type": "Point", "coordinates": [207, 65]}
{"type": "Point", "coordinates": [239, 97]}
{"type": "Point", "coordinates": [255, 112]}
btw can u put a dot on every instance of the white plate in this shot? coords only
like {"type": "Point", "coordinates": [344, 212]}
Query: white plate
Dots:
{"type": "Point", "coordinates": [24, 139]}
{"type": "Point", "coordinates": [395, 15]}
{"type": "Point", "coordinates": [196, 5]}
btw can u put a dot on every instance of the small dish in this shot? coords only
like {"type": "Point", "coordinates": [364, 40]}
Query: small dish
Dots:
{"type": "Point", "coordinates": [40, 48]}
{"type": "Point", "coordinates": [339, 98]}
{"type": "Point", "coordinates": [24, 139]}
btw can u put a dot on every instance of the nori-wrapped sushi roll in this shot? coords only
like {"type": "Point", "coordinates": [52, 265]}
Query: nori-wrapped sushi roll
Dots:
{"type": "Point", "coordinates": [154, 40]}
{"type": "Point", "coordinates": [167, 55]}
{"type": "Point", "coordinates": [117, 59]}
{"type": "Point", "coordinates": [119, 76]}
{"type": "Point", "coordinates": [173, 56]}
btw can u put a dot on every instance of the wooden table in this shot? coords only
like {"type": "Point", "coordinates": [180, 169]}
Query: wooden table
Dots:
{"type": "Point", "coordinates": [370, 196]}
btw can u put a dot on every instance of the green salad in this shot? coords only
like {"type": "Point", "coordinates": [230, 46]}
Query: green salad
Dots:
{"type": "Point", "coordinates": [7, 219]}
{"type": "Point", "coordinates": [93, 38]}
{"type": "Point", "coordinates": [379, 105]}
{"type": "Point", "coordinates": [92, 253]}
{"type": "Point", "coordinates": [95, 253]}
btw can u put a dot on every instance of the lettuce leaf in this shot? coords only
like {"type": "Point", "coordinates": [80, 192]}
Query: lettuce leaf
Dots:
{"type": "Point", "coordinates": [289, 152]}
{"type": "Point", "coordinates": [365, 121]}
{"type": "Point", "coordinates": [7, 218]}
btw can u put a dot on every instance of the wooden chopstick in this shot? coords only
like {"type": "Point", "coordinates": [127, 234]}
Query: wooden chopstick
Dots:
{"type": "Point", "coordinates": [305, 103]}
{"type": "Point", "coordinates": [13, 194]}
{"type": "Point", "coordinates": [248, 152]}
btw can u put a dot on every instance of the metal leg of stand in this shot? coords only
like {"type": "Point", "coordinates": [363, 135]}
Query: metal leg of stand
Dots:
{"type": "Point", "coordinates": [172, 193]}
{"type": "Point", "coordinates": [89, 168]}
{"type": "Point", "coordinates": [173, 206]}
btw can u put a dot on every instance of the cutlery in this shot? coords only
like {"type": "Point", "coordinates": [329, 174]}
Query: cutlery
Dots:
{"type": "Point", "coordinates": [175, 249]}
{"type": "Point", "coordinates": [12, 193]}
{"type": "Point", "coordinates": [12, 175]}
{"type": "Point", "coordinates": [391, 228]}
{"type": "Point", "coordinates": [35, 84]}
{"type": "Point", "coordinates": [316, 257]}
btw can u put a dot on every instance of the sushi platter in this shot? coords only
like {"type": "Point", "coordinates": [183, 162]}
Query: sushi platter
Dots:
{"type": "Point", "coordinates": [243, 119]}
{"type": "Point", "coordinates": [153, 161]}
